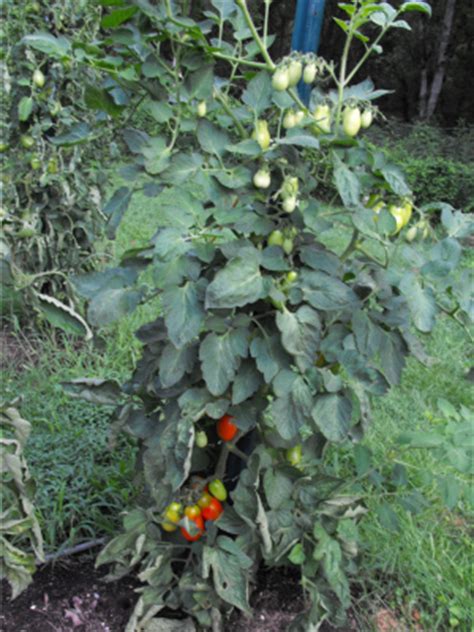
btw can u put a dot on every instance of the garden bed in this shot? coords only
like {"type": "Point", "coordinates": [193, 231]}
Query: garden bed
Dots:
{"type": "Point", "coordinates": [72, 595]}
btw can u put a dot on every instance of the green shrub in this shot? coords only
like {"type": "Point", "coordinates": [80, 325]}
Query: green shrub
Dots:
{"type": "Point", "coordinates": [51, 183]}
{"type": "Point", "coordinates": [439, 164]}
{"type": "Point", "coordinates": [441, 179]}
{"type": "Point", "coordinates": [260, 321]}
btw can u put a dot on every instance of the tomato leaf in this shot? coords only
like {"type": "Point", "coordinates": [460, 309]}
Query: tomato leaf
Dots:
{"type": "Point", "coordinates": [332, 415]}
{"type": "Point", "coordinates": [183, 312]}
{"type": "Point", "coordinates": [301, 333]}
{"type": "Point", "coordinates": [292, 410]}
{"type": "Point", "coordinates": [221, 357]}
{"type": "Point", "coordinates": [238, 283]}
{"type": "Point", "coordinates": [229, 572]}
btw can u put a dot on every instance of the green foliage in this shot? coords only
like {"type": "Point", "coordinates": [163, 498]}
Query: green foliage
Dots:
{"type": "Point", "coordinates": [83, 482]}
{"type": "Point", "coordinates": [293, 362]}
{"type": "Point", "coordinates": [51, 184]}
{"type": "Point", "coordinates": [424, 565]}
{"type": "Point", "coordinates": [439, 165]}
{"type": "Point", "coordinates": [20, 534]}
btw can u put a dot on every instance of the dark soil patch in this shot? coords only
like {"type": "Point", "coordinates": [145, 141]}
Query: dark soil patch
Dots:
{"type": "Point", "coordinates": [69, 596]}
{"type": "Point", "coordinates": [73, 596]}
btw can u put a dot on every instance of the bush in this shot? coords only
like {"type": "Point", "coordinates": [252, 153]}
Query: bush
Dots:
{"type": "Point", "coordinates": [441, 179]}
{"type": "Point", "coordinates": [439, 164]}
{"type": "Point", "coordinates": [51, 186]}
{"type": "Point", "coordinates": [270, 345]}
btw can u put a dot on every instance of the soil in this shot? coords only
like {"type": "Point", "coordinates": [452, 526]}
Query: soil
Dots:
{"type": "Point", "coordinates": [71, 595]}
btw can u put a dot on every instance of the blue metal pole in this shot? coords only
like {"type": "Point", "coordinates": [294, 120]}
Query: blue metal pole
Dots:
{"type": "Point", "coordinates": [307, 33]}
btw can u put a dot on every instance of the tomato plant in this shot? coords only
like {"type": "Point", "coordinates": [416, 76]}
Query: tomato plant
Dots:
{"type": "Point", "coordinates": [51, 186]}
{"type": "Point", "coordinates": [265, 330]}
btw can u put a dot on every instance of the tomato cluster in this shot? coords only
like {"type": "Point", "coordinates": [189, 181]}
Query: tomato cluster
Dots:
{"type": "Point", "coordinates": [401, 211]}
{"type": "Point", "coordinates": [208, 508]}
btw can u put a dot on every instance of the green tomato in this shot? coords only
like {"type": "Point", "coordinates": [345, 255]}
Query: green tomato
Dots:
{"type": "Point", "coordinates": [299, 117]}
{"type": "Point", "coordinates": [351, 121]}
{"type": "Point", "coordinates": [322, 116]}
{"type": "Point", "coordinates": [281, 79]}
{"type": "Point", "coordinates": [290, 187]}
{"type": "Point", "coordinates": [411, 234]}
{"type": "Point", "coordinates": [291, 276]}
{"type": "Point", "coordinates": [35, 163]}
{"type": "Point", "coordinates": [56, 109]}
{"type": "Point", "coordinates": [201, 439]}
{"type": "Point", "coordinates": [38, 78]}
{"type": "Point", "coordinates": [294, 455]}
{"type": "Point", "coordinates": [262, 179]}
{"type": "Point", "coordinates": [289, 120]}
{"type": "Point", "coordinates": [27, 141]}
{"type": "Point", "coordinates": [261, 134]}
{"type": "Point", "coordinates": [309, 73]}
{"type": "Point", "coordinates": [366, 118]}
{"type": "Point", "coordinates": [287, 246]}
{"type": "Point", "coordinates": [52, 166]}
{"type": "Point", "coordinates": [295, 70]}
{"type": "Point", "coordinates": [202, 109]}
{"type": "Point", "coordinates": [26, 231]}
{"type": "Point", "coordinates": [289, 204]}
{"type": "Point", "coordinates": [3, 147]}
{"type": "Point", "coordinates": [275, 238]}
{"type": "Point", "coordinates": [398, 213]}
{"type": "Point", "coordinates": [218, 490]}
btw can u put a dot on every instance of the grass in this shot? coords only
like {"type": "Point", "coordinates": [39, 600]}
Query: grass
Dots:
{"type": "Point", "coordinates": [426, 566]}
{"type": "Point", "coordinates": [82, 486]}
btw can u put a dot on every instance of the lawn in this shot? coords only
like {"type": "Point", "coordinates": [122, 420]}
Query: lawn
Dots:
{"type": "Point", "coordinates": [422, 570]}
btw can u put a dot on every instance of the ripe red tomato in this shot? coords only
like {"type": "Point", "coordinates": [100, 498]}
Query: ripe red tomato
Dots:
{"type": "Point", "coordinates": [226, 429]}
{"type": "Point", "coordinates": [213, 510]}
{"type": "Point", "coordinates": [199, 522]}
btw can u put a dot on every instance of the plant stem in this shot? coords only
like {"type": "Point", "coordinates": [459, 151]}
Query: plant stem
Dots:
{"type": "Point", "coordinates": [265, 24]}
{"type": "Point", "coordinates": [240, 60]}
{"type": "Point", "coordinates": [294, 95]}
{"type": "Point", "coordinates": [341, 83]}
{"type": "Point", "coordinates": [219, 97]}
{"type": "Point", "coordinates": [365, 56]}
{"type": "Point", "coordinates": [351, 245]}
{"type": "Point", "coordinates": [242, 4]}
